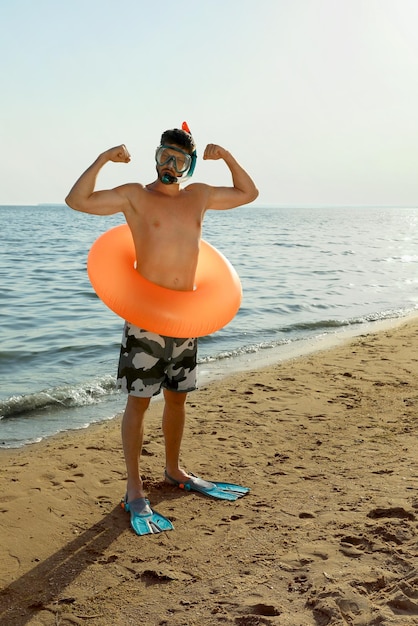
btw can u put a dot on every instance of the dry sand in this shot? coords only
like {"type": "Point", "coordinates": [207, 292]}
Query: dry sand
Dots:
{"type": "Point", "coordinates": [328, 534]}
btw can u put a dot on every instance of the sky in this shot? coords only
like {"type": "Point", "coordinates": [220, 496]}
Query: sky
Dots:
{"type": "Point", "coordinates": [317, 99]}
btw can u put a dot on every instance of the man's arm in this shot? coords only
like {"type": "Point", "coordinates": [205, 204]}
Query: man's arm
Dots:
{"type": "Point", "coordinates": [243, 190]}
{"type": "Point", "coordinates": [82, 196]}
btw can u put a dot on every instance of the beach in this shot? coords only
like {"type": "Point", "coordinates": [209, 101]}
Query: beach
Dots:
{"type": "Point", "coordinates": [327, 535]}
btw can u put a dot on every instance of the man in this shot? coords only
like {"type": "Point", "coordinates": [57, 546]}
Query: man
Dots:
{"type": "Point", "coordinates": [166, 222]}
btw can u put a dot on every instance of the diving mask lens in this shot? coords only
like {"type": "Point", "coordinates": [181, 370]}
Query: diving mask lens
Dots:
{"type": "Point", "coordinates": [167, 154]}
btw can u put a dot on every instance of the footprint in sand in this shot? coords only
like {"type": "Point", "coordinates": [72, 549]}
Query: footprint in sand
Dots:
{"type": "Point", "coordinates": [395, 511]}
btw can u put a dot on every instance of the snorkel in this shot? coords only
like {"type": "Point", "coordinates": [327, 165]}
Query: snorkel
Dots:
{"type": "Point", "coordinates": [182, 176]}
{"type": "Point", "coordinates": [168, 179]}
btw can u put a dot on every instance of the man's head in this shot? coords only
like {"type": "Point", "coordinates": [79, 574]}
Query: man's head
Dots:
{"type": "Point", "coordinates": [179, 138]}
{"type": "Point", "coordinates": [176, 154]}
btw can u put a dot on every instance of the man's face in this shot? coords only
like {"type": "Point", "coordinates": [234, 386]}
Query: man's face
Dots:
{"type": "Point", "coordinates": [171, 159]}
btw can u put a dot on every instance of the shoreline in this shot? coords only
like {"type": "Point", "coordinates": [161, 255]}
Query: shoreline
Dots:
{"type": "Point", "coordinates": [298, 348]}
{"type": "Point", "coordinates": [326, 441]}
{"type": "Point", "coordinates": [211, 372]}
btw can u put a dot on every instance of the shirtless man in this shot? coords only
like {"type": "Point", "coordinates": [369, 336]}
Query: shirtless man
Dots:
{"type": "Point", "coordinates": [166, 223]}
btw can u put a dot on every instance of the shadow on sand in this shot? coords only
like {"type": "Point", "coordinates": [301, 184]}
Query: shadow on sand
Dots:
{"type": "Point", "coordinates": [42, 585]}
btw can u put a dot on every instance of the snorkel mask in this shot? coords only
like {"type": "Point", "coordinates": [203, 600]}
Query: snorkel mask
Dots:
{"type": "Point", "coordinates": [182, 162]}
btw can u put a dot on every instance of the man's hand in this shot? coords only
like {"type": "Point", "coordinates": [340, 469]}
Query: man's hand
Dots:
{"type": "Point", "coordinates": [118, 154]}
{"type": "Point", "coordinates": [214, 152]}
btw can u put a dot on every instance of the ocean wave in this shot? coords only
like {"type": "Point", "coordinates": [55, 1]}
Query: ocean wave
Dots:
{"type": "Point", "coordinates": [64, 397]}
{"type": "Point", "coordinates": [330, 324]}
{"type": "Point", "coordinates": [298, 331]}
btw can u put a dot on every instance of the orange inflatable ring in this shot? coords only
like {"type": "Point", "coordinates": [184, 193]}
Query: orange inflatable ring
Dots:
{"type": "Point", "coordinates": [210, 306]}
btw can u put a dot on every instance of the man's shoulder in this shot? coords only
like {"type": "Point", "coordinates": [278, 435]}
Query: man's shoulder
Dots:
{"type": "Point", "coordinates": [132, 187]}
{"type": "Point", "coordinates": [197, 188]}
{"type": "Point", "coordinates": [132, 191]}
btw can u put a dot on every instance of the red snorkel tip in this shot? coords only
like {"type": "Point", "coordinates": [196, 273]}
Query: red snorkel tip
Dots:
{"type": "Point", "coordinates": [185, 127]}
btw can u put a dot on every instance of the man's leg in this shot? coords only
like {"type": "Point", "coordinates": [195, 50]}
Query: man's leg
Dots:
{"type": "Point", "coordinates": [174, 417]}
{"type": "Point", "coordinates": [132, 437]}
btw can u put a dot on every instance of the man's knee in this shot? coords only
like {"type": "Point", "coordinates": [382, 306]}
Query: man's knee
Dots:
{"type": "Point", "coordinates": [174, 398]}
{"type": "Point", "coordinates": [137, 405]}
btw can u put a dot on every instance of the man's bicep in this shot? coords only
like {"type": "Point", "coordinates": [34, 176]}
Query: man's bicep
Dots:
{"type": "Point", "coordinates": [223, 198]}
{"type": "Point", "coordinates": [104, 202]}
{"type": "Point", "coordinates": [108, 202]}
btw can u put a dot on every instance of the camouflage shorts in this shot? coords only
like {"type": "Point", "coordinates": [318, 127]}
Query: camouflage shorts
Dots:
{"type": "Point", "coordinates": [149, 362]}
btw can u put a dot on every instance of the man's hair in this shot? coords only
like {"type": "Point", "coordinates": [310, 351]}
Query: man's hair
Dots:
{"type": "Point", "coordinates": [178, 138]}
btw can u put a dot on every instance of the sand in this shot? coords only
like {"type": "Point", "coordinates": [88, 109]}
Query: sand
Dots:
{"type": "Point", "coordinates": [328, 535]}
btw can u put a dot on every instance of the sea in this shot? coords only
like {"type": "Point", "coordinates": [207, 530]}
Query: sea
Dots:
{"type": "Point", "coordinates": [309, 275]}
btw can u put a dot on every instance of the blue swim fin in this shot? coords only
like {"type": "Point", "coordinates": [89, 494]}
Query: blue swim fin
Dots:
{"type": "Point", "coordinates": [144, 520]}
{"type": "Point", "coordinates": [221, 491]}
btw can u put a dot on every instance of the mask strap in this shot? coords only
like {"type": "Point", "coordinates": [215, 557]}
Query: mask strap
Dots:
{"type": "Point", "coordinates": [186, 128]}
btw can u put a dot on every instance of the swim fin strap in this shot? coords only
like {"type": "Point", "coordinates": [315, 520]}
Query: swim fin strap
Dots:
{"type": "Point", "coordinates": [144, 520]}
{"type": "Point", "coordinates": [221, 491]}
